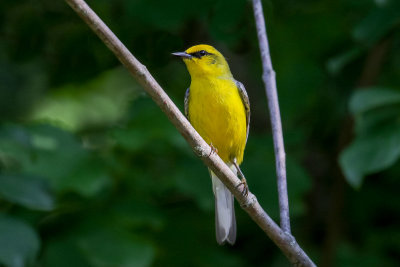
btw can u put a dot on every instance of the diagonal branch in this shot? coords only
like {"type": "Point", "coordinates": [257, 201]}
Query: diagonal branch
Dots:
{"type": "Point", "coordinates": [273, 104]}
{"type": "Point", "coordinates": [249, 203]}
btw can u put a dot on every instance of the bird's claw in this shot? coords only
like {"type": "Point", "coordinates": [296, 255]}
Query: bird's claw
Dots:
{"type": "Point", "coordinates": [213, 150]}
{"type": "Point", "coordinates": [245, 190]}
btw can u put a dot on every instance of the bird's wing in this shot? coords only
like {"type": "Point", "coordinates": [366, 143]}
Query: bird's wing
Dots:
{"type": "Point", "coordinates": [187, 94]}
{"type": "Point", "coordinates": [246, 103]}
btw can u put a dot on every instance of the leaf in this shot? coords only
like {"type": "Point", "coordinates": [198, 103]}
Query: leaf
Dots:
{"type": "Point", "coordinates": [20, 82]}
{"type": "Point", "coordinates": [377, 143]}
{"type": "Point", "coordinates": [193, 180]}
{"type": "Point", "coordinates": [87, 179]}
{"type": "Point", "coordinates": [64, 253]}
{"type": "Point", "coordinates": [377, 23]}
{"type": "Point", "coordinates": [337, 63]}
{"type": "Point", "coordinates": [300, 184]}
{"type": "Point", "coordinates": [375, 119]}
{"type": "Point", "coordinates": [165, 15]}
{"type": "Point", "coordinates": [15, 143]}
{"type": "Point", "coordinates": [102, 100]}
{"type": "Point", "coordinates": [224, 26]}
{"type": "Point", "coordinates": [19, 243]}
{"type": "Point", "coordinates": [54, 154]}
{"type": "Point", "coordinates": [116, 249]}
{"type": "Point", "coordinates": [371, 153]}
{"type": "Point", "coordinates": [133, 212]}
{"type": "Point", "coordinates": [65, 163]}
{"type": "Point", "coordinates": [263, 183]}
{"type": "Point", "coordinates": [28, 191]}
{"type": "Point", "coordinates": [141, 134]}
{"type": "Point", "coordinates": [371, 98]}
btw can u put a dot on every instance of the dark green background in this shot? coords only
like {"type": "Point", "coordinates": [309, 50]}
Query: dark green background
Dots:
{"type": "Point", "coordinates": [93, 174]}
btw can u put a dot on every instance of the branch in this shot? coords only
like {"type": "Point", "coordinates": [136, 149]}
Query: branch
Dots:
{"type": "Point", "coordinates": [249, 203]}
{"type": "Point", "coordinates": [272, 95]}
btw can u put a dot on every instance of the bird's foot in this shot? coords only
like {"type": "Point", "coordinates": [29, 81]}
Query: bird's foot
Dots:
{"type": "Point", "coordinates": [245, 189]}
{"type": "Point", "coordinates": [213, 150]}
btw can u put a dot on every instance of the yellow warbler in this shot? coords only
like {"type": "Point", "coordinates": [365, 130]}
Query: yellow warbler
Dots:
{"type": "Point", "coordinates": [218, 108]}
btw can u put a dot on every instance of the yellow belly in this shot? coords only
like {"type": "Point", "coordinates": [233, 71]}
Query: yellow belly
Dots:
{"type": "Point", "coordinates": [216, 111]}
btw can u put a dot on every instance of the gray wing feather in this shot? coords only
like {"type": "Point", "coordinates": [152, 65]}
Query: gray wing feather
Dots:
{"type": "Point", "coordinates": [246, 103]}
{"type": "Point", "coordinates": [187, 94]}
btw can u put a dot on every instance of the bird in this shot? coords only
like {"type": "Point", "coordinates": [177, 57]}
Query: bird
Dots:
{"type": "Point", "coordinates": [218, 108]}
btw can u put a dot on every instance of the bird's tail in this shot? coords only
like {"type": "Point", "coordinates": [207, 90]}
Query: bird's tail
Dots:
{"type": "Point", "coordinates": [225, 221]}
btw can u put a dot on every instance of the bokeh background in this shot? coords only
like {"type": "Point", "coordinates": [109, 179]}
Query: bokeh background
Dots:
{"type": "Point", "coordinates": [93, 174]}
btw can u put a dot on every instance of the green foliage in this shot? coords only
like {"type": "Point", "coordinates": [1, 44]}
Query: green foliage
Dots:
{"type": "Point", "coordinates": [262, 166]}
{"type": "Point", "coordinates": [19, 242]}
{"type": "Point", "coordinates": [53, 154]}
{"type": "Point", "coordinates": [372, 98]}
{"type": "Point", "coordinates": [100, 249]}
{"type": "Point", "coordinates": [78, 106]}
{"type": "Point", "coordinates": [377, 144]}
{"type": "Point", "coordinates": [379, 22]}
{"type": "Point", "coordinates": [27, 191]}
{"type": "Point", "coordinates": [92, 173]}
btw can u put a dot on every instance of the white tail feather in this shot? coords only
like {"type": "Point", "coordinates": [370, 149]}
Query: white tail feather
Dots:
{"type": "Point", "coordinates": [225, 221]}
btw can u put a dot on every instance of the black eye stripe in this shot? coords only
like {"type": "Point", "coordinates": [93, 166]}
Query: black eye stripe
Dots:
{"type": "Point", "coordinates": [199, 54]}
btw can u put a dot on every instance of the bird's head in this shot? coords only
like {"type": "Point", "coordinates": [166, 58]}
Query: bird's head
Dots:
{"type": "Point", "coordinates": [204, 60]}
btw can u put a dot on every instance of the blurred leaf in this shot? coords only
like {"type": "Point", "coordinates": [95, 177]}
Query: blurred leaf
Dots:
{"type": "Point", "coordinates": [66, 164]}
{"type": "Point", "coordinates": [166, 15]}
{"type": "Point", "coordinates": [337, 63]}
{"type": "Point", "coordinates": [194, 181]}
{"type": "Point", "coordinates": [377, 143]}
{"type": "Point", "coordinates": [148, 128]}
{"type": "Point", "coordinates": [19, 243]}
{"type": "Point", "coordinates": [134, 212]}
{"type": "Point", "coordinates": [20, 82]}
{"type": "Point", "coordinates": [299, 184]}
{"type": "Point", "coordinates": [15, 145]}
{"type": "Point", "coordinates": [55, 155]}
{"type": "Point", "coordinates": [198, 230]}
{"type": "Point", "coordinates": [116, 249]}
{"type": "Point", "coordinates": [374, 108]}
{"type": "Point", "coordinates": [64, 253]}
{"type": "Point", "coordinates": [28, 191]}
{"type": "Point", "coordinates": [366, 99]}
{"type": "Point", "coordinates": [351, 256]}
{"type": "Point", "coordinates": [261, 176]}
{"type": "Point", "coordinates": [371, 153]}
{"type": "Point", "coordinates": [224, 26]}
{"type": "Point", "coordinates": [378, 23]}
{"type": "Point", "coordinates": [374, 119]}
{"type": "Point", "coordinates": [102, 100]}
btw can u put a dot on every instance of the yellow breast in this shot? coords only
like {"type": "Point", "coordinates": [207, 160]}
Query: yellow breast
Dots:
{"type": "Point", "coordinates": [217, 112]}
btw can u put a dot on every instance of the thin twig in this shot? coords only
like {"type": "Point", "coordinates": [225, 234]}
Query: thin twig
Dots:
{"type": "Point", "coordinates": [273, 104]}
{"type": "Point", "coordinates": [249, 203]}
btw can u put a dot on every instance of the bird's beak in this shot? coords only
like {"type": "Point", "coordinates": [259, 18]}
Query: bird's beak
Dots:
{"type": "Point", "coordinates": [182, 55]}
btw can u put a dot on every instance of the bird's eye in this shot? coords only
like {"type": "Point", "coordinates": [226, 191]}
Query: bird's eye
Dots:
{"type": "Point", "coordinates": [200, 54]}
